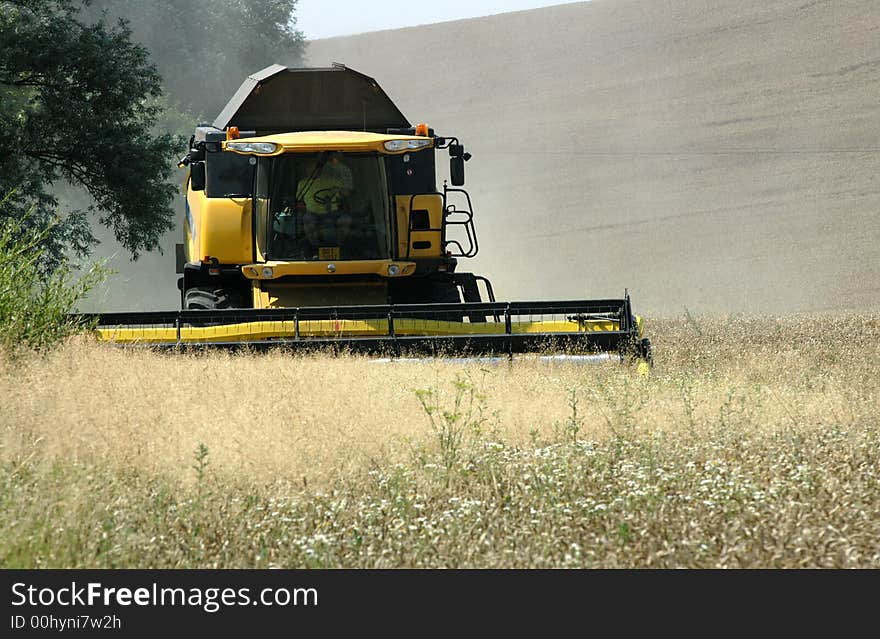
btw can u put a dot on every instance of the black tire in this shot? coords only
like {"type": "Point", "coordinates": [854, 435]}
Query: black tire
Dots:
{"type": "Point", "coordinates": [446, 292]}
{"type": "Point", "coordinates": [210, 299]}
{"type": "Point", "coordinates": [428, 291]}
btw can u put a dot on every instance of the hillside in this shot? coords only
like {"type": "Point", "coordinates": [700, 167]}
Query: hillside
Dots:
{"type": "Point", "coordinates": [719, 157]}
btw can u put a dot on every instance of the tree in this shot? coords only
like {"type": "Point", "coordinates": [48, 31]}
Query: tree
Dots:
{"type": "Point", "coordinates": [204, 49]}
{"type": "Point", "coordinates": [78, 100]}
{"type": "Point", "coordinates": [34, 305]}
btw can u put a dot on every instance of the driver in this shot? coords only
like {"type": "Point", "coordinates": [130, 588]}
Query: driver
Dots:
{"type": "Point", "coordinates": [324, 191]}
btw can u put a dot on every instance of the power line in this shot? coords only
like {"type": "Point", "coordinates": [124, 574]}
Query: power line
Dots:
{"type": "Point", "coordinates": [684, 153]}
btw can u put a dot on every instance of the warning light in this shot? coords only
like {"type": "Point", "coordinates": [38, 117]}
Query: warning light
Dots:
{"type": "Point", "coordinates": [232, 133]}
{"type": "Point", "coordinates": [422, 130]}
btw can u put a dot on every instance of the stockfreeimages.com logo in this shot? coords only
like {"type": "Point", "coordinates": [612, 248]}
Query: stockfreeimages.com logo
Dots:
{"type": "Point", "coordinates": [208, 599]}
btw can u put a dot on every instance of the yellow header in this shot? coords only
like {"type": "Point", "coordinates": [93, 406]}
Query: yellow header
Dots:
{"type": "Point", "coordinates": [344, 141]}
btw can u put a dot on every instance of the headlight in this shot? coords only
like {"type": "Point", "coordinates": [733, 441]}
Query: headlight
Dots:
{"type": "Point", "coordinates": [402, 145]}
{"type": "Point", "coordinates": [252, 147]}
{"type": "Point", "coordinates": [393, 270]}
{"type": "Point", "coordinates": [268, 273]}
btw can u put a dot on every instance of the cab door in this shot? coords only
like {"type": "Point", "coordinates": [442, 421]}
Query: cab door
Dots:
{"type": "Point", "coordinates": [261, 206]}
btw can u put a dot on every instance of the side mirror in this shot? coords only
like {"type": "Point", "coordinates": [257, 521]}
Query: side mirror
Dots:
{"type": "Point", "coordinates": [197, 176]}
{"type": "Point", "coordinates": [456, 170]}
{"type": "Point", "coordinates": [197, 154]}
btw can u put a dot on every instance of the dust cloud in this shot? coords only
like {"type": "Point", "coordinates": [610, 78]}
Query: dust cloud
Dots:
{"type": "Point", "coordinates": [203, 50]}
{"type": "Point", "coordinates": [718, 157]}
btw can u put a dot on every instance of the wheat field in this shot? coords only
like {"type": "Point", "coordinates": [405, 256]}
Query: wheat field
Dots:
{"type": "Point", "coordinates": [753, 442]}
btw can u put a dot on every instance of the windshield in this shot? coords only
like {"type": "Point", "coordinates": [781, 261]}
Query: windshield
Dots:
{"type": "Point", "coordinates": [326, 206]}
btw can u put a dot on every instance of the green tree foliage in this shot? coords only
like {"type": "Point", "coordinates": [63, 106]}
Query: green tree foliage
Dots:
{"type": "Point", "coordinates": [78, 100]}
{"type": "Point", "coordinates": [84, 86]}
{"type": "Point", "coordinates": [204, 49]}
{"type": "Point", "coordinates": [34, 306]}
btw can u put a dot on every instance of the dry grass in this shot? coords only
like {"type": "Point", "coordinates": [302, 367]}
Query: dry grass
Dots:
{"type": "Point", "coordinates": [754, 442]}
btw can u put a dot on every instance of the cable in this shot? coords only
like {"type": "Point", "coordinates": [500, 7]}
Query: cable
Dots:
{"type": "Point", "coordinates": [520, 153]}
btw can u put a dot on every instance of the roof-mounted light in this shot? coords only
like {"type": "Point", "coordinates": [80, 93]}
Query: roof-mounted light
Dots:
{"type": "Point", "coordinates": [252, 147]}
{"type": "Point", "coordinates": [404, 145]}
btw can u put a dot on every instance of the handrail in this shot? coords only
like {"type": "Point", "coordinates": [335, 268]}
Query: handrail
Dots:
{"type": "Point", "coordinates": [468, 223]}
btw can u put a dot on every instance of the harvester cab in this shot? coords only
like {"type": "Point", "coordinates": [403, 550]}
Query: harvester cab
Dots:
{"type": "Point", "coordinates": [311, 188]}
{"type": "Point", "coordinates": [314, 218]}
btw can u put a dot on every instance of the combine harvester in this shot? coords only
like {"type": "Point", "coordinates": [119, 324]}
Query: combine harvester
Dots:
{"type": "Point", "coordinates": [313, 220]}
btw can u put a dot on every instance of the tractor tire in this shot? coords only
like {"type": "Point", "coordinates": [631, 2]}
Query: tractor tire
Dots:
{"type": "Point", "coordinates": [445, 293]}
{"type": "Point", "coordinates": [199, 298]}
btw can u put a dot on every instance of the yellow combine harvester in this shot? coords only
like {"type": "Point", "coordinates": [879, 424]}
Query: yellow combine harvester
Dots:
{"type": "Point", "coordinates": [313, 218]}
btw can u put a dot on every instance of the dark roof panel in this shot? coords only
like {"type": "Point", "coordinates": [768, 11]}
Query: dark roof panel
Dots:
{"type": "Point", "coordinates": [279, 99]}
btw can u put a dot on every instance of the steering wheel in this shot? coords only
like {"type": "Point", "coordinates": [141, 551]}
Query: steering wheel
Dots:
{"type": "Point", "coordinates": [325, 196]}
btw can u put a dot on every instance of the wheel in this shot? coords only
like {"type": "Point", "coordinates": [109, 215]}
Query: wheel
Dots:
{"type": "Point", "coordinates": [211, 299]}
{"type": "Point", "coordinates": [446, 292]}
